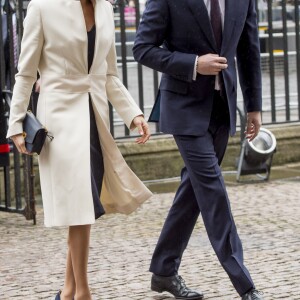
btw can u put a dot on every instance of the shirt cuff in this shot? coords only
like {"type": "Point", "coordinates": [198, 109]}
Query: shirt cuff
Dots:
{"type": "Point", "coordinates": [195, 68]}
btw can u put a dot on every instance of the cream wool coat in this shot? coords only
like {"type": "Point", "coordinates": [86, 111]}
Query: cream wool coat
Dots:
{"type": "Point", "coordinates": [55, 44]}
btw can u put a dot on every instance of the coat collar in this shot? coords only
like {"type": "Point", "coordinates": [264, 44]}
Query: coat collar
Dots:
{"type": "Point", "coordinates": [199, 10]}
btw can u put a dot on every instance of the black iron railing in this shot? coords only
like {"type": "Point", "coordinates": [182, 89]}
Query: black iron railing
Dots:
{"type": "Point", "coordinates": [16, 171]}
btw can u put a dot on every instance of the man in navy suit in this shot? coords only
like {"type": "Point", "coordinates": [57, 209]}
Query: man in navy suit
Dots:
{"type": "Point", "coordinates": [194, 44]}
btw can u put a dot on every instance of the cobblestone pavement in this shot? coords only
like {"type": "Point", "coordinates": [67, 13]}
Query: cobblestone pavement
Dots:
{"type": "Point", "coordinates": [268, 219]}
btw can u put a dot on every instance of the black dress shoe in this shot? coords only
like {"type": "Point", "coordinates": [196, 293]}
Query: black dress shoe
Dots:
{"type": "Point", "coordinates": [253, 295]}
{"type": "Point", "coordinates": [174, 285]}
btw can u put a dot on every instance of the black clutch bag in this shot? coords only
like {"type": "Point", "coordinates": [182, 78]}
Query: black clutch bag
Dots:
{"type": "Point", "coordinates": [34, 133]}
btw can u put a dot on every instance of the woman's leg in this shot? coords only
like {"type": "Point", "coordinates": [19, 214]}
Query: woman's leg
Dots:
{"type": "Point", "coordinates": [79, 239]}
{"type": "Point", "coordinates": [69, 289]}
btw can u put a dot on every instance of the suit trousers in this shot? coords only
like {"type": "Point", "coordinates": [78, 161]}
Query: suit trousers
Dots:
{"type": "Point", "coordinates": [202, 189]}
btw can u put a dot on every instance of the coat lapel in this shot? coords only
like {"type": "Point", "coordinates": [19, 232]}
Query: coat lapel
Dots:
{"type": "Point", "coordinates": [199, 10]}
{"type": "Point", "coordinates": [99, 23]}
{"type": "Point", "coordinates": [78, 30]}
{"type": "Point", "coordinates": [105, 32]}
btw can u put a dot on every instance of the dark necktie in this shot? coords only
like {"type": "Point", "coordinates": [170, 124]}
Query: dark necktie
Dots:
{"type": "Point", "coordinates": [216, 22]}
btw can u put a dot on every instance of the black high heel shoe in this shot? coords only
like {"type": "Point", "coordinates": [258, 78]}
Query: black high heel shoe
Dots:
{"type": "Point", "coordinates": [57, 296]}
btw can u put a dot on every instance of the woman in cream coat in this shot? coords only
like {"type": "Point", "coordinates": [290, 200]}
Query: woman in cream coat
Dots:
{"type": "Point", "coordinates": [55, 42]}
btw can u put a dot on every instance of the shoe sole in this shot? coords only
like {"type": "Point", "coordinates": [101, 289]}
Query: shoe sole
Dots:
{"type": "Point", "coordinates": [155, 288]}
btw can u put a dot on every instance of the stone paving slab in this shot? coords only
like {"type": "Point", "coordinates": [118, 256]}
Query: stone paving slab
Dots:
{"type": "Point", "coordinates": [32, 258]}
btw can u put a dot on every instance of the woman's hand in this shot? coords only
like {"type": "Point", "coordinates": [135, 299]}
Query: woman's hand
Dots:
{"type": "Point", "coordinates": [143, 129]}
{"type": "Point", "coordinates": [19, 142]}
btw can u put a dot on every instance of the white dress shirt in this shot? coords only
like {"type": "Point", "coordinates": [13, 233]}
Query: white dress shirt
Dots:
{"type": "Point", "coordinates": [222, 8]}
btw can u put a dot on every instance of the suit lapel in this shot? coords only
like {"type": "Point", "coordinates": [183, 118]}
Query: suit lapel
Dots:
{"type": "Point", "coordinates": [230, 15]}
{"type": "Point", "coordinates": [199, 11]}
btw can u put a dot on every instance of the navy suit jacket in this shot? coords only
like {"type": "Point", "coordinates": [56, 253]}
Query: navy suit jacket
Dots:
{"type": "Point", "coordinates": [170, 36]}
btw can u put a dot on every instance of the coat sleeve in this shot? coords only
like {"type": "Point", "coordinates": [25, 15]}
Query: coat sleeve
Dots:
{"type": "Point", "coordinates": [117, 93]}
{"type": "Point", "coordinates": [151, 35]}
{"type": "Point", "coordinates": [248, 60]}
{"type": "Point", "coordinates": [31, 47]}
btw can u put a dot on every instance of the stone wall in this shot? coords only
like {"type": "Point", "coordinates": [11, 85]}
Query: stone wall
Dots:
{"type": "Point", "coordinates": [159, 158]}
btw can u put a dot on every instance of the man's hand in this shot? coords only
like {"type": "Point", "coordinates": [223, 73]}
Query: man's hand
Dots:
{"type": "Point", "coordinates": [253, 125]}
{"type": "Point", "coordinates": [211, 64]}
{"type": "Point", "coordinates": [19, 142]}
{"type": "Point", "coordinates": [143, 129]}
